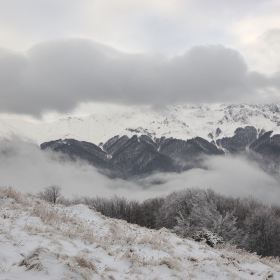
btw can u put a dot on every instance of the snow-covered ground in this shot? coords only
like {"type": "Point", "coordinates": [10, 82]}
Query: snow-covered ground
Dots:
{"type": "Point", "coordinates": [42, 241]}
{"type": "Point", "coordinates": [180, 121]}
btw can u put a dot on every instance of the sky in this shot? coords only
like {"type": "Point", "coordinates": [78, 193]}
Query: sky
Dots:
{"type": "Point", "coordinates": [65, 57]}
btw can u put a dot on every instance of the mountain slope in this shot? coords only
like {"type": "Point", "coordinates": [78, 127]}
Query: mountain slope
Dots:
{"type": "Point", "coordinates": [79, 149]}
{"type": "Point", "coordinates": [268, 146]}
{"type": "Point", "coordinates": [241, 139]}
{"type": "Point", "coordinates": [124, 157]}
{"type": "Point", "coordinates": [42, 241]}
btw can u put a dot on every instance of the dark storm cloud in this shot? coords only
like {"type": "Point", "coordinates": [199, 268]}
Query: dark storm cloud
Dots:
{"type": "Point", "coordinates": [60, 74]}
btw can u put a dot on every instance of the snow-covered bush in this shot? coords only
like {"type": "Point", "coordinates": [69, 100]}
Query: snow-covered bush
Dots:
{"type": "Point", "coordinates": [204, 215]}
{"type": "Point", "coordinates": [207, 236]}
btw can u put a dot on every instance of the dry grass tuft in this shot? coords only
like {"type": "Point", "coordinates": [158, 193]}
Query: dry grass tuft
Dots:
{"type": "Point", "coordinates": [60, 222]}
{"type": "Point", "coordinates": [82, 262]}
{"type": "Point", "coordinates": [137, 260]}
{"type": "Point", "coordinates": [110, 269]}
{"type": "Point", "coordinates": [268, 275]}
{"type": "Point", "coordinates": [9, 192]}
{"type": "Point", "coordinates": [4, 269]}
{"type": "Point", "coordinates": [170, 263]}
{"type": "Point", "coordinates": [270, 260]}
{"type": "Point", "coordinates": [82, 266]}
{"type": "Point", "coordinates": [192, 259]}
{"type": "Point", "coordinates": [156, 240]}
{"type": "Point", "coordinates": [33, 259]}
{"type": "Point", "coordinates": [136, 270]}
{"type": "Point", "coordinates": [77, 264]}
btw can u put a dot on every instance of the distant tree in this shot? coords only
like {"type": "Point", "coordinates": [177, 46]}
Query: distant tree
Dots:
{"type": "Point", "coordinates": [149, 210]}
{"type": "Point", "coordinates": [264, 229]}
{"type": "Point", "coordinates": [51, 194]}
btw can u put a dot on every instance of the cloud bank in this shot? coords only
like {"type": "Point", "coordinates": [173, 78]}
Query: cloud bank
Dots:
{"type": "Point", "coordinates": [26, 168]}
{"type": "Point", "coordinates": [58, 75]}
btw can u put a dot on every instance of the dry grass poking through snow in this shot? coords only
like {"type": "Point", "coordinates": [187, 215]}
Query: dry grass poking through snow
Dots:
{"type": "Point", "coordinates": [42, 241]}
{"type": "Point", "coordinates": [78, 264]}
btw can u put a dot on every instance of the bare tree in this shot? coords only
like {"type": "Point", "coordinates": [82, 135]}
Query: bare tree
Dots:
{"type": "Point", "coordinates": [51, 194]}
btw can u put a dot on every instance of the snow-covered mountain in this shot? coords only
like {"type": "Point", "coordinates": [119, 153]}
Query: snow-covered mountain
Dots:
{"type": "Point", "coordinates": [210, 122]}
{"type": "Point", "coordinates": [42, 241]}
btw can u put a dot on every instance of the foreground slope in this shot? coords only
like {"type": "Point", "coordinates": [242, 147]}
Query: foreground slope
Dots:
{"type": "Point", "coordinates": [42, 241]}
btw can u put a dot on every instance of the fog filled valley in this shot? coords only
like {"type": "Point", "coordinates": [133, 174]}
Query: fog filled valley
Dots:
{"type": "Point", "coordinates": [27, 168]}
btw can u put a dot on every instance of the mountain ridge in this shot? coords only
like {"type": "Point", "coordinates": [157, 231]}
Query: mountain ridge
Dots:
{"type": "Point", "coordinates": [126, 157]}
{"type": "Point", "coordinates": [210, 122]}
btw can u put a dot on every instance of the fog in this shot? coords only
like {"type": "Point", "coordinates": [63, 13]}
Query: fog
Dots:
{"type": "Point", "coordinates": [28, 169]}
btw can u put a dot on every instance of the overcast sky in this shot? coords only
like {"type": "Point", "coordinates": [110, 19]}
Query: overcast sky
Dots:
{"type": "Point", "coordinates": [72, 57]}
{"type": "Point", "coordinates": [58, 55]}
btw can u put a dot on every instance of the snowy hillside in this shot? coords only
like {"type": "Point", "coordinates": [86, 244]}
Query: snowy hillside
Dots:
{"type": "Point", "coordinates": [181, 122]}
{"type": "Point", "coordinates": [42, 241]}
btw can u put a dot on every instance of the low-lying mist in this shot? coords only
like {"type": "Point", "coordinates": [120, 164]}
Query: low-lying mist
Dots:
{"type": "Point", "coordinates": [25, 167]}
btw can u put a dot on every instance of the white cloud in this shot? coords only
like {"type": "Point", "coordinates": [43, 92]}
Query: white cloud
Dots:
{"type": "Point", "coordinates": [227, 175]}
{"type": "Point", "coordinates": [262, 53]}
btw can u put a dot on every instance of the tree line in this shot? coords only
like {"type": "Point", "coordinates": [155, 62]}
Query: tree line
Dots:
{"type": "Point", "coordinates": [244, 222]}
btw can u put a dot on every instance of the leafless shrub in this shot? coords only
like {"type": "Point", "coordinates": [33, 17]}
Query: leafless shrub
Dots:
{"type": "Point", "coordinates": [50, 194]}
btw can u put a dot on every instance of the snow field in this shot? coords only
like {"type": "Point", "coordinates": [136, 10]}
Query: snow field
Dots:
{"type": "Point", "coordinates": [178, 121]}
